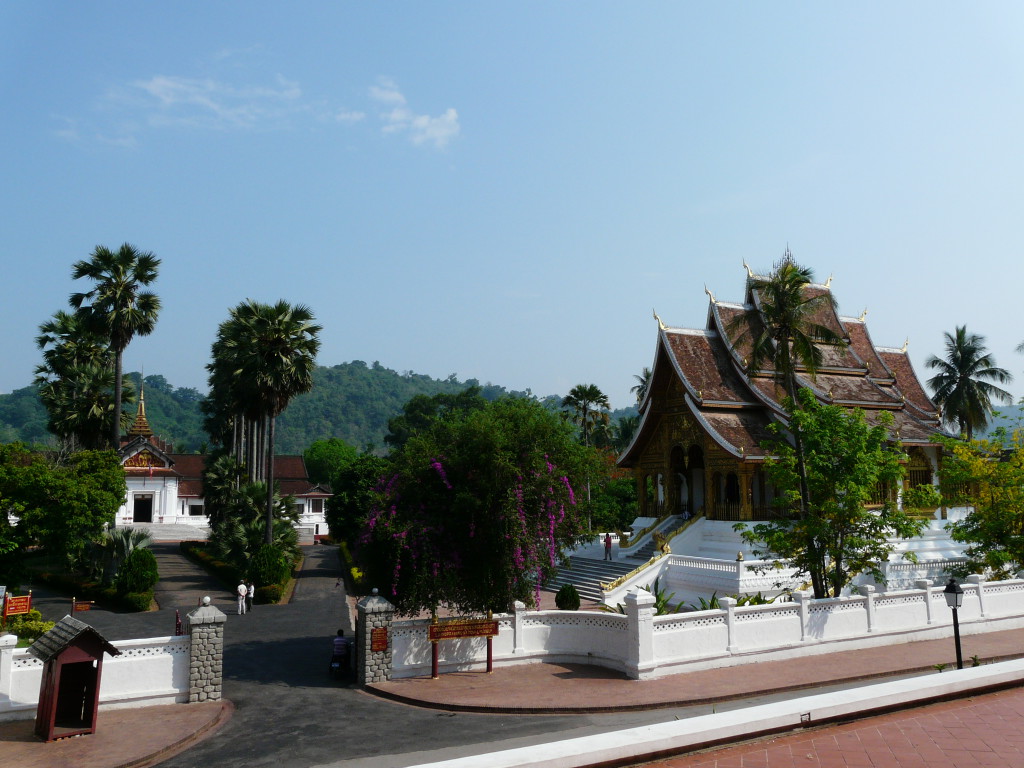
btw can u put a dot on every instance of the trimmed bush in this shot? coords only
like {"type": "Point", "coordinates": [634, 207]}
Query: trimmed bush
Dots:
{"type": "Point", "coordinates": [138, 573]}
{"type": "Point", "coordinates": [567, 598]}
{"type": "Point", "coordinates": [269, 566]}
{"type": "Point", "coordinates": [28, 626]}
{"type": "Point", "coordinates": [136, 601]}
{"type": "Point", "coordinates": [267, 595]}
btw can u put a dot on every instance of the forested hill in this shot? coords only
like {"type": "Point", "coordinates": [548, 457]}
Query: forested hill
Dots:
{"type": "Point", "coordinates": [352, 401]}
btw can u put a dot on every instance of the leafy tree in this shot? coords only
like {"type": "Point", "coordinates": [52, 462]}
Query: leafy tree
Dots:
{"type": "Point", "coordinates": [422, 411]}
{"type": "Point", "coordinates": [962, 385]}
{"type": "Point", "coordinates": [588, 406]}
{"type": "Point", "coordinates": [478, 509]}
{"type": "Point", "coordinates": [240, 528]}
{"type": "Point", "coordinates": [782, 328]}
{"type": "Point", "coordinates": [988, 475]}
{"type": "Point", "coordinates": [117, 306]}
{"type": "Point", "coordinates": [624, 430]}
{"type": "Point", "coordinates": [324, 457]}
{"type": "Point", "coordinates": [61, 506]}
{"type": "Point", "coordinates": [847, 460]}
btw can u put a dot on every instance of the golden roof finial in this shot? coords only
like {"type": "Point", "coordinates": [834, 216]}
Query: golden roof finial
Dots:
{"type": "Point", "coordinates": [905, 345]}
{"type": "Point", "coordinates": [828, 282]}
{"type": "Point", "coordinates": [710, 294]}
{"type": "Point", "coordinates": [140, 427]}
{"type": "Point", "coordinates": [863, 315]}
{"type": "Point", "coordinates": [830, 394]}
{"type": "Point", "coordinates": [750, 272]}
{"type": "Point", "coordinates": [661, 325]}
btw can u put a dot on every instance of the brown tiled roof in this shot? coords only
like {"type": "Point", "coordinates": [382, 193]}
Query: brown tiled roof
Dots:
{"type": "Point", "coordinates": [742, 432]}
{"type": "Point", "coordinates": [705, 366]}
{"type": "Point", "coordinates": [857, 391]}
{"type": "Point", "coordinates": [909, 385]}
{"type": "Point", "coordinates": [860, 342]}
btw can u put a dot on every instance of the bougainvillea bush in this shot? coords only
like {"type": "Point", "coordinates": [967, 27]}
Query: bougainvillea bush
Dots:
{"type": "Point", "coordinates": [478, 509]}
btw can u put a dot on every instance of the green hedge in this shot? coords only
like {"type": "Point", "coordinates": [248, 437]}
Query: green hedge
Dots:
{"type": "Point", "coordinates": [108, 597]}
{"type": "Point", "coordinates": [229, 575]}
{"type": "Point", "coordinates": [28, 626]}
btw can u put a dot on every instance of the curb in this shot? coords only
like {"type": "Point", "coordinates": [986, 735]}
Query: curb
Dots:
{"type": "Point", "coordinates": [485, 709]}
{"type": "Point", "coordinates": [227, 709]}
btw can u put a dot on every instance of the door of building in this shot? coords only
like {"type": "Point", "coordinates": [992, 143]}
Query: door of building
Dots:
{"type": "Point", "coordinates": [143, 508]}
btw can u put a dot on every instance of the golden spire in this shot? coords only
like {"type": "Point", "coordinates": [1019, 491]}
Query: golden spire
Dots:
{"type": "Point", "coordinates": [140, 427]}
{"type": "Point", "coordinates": [661, 325]}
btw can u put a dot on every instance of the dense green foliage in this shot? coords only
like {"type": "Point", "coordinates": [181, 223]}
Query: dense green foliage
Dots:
{"type": "Point", "coordinates": [478, 510]}
{"type": "Point", "coordinates": [60, 505]}
{"type": "Point", "coordinates": [835, 537]}
{"type": "Point", "coordinates": [989, 476]}
{"type": "Point", "coordinates": [138, 573]}
{"type": "Point", "coordinates": [567, 598]}
{"type": "Point", "coordinates": [352, 402]}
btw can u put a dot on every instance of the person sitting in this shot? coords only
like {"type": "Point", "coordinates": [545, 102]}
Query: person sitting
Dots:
{"type": "Point", "coordinates": [342, 644]}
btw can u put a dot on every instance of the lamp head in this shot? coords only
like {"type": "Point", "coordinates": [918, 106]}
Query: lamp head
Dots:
{"type": "Point", "coordinates": [953, 594]}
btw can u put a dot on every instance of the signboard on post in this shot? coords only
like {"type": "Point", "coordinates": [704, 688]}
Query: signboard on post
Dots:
{"type": "Point", "coordinates": [15, 606]}
{"type": "Point", "coordinates": [378, 640]}
{"type": "Point", "coordinates": [455, 630]}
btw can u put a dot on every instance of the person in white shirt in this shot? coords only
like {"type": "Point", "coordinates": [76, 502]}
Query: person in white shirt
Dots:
{"type": "Point", "coordinates": [243, 591]}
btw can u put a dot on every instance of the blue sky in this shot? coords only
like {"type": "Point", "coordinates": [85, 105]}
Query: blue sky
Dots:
{"type": "Point", "coordinates": [506, 191]}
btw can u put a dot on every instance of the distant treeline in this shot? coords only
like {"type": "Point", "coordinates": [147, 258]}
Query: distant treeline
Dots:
{"type": "Point", "coordinates": [352, 401]}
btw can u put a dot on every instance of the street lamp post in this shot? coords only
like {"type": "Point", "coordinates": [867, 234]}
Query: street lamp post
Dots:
{"type": "Point", "coordinates": [954, 599]}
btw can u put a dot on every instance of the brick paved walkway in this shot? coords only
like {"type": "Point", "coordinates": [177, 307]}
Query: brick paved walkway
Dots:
{"type": "Point", "coordinates": [985, 730]}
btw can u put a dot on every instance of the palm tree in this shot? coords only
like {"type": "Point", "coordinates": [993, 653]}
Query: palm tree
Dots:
{"type": "Point", "coordinates": [782, 329]}
{"type": "Point", "coordinates": [272, 349]}
{"type": "Point", "coordinates": [961, 386]}
{"type": "Point", "coordinates": [624, 429]}
{"type": "Point", "coordinates": [117, 305]}
{"type": "Point", "coordinates": [589, 406]}
{"type": "Point", "coordinates": [643, 383]}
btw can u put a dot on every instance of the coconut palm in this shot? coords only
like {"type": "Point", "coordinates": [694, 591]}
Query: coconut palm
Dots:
{"type": "Point", "coordinates": [643, 383]}
{"type": "Point", "coordinates": [272, 349]}
{"type": "Point", "coordinates": [781, 325]}
{"type": "Point", "coordinates": [782, 330]}
{"type": "Point", "coordinates": [588, 406]}
{"type": "Point", "coordinates": [117, 306]}
{"type": "Point", "coordinates": [962, 385]}
{"type": "Point", "coordinates": [625, 428]}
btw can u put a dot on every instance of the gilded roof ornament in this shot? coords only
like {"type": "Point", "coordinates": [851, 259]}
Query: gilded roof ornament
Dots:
{"type": "Point", "coordinates": [750, 272]}
{"type": "Point", "coordinates": [710, 294]}
{"type": "Point", "coordinates": [905, 345]}
{"type": "Point", "coordinates": [828, 283]}
{"type": "Point", "coordinates": [661, 325]}
{"type": "Point", "coordinates": [863, 315]}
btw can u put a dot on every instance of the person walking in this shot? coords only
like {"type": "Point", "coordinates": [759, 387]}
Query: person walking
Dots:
{"type": "Point", "coordinates": [607, 546]}
{"type": "Point", "coordinates": [250, 593]}
{"type": "Point", "coordinates": [243, 592]}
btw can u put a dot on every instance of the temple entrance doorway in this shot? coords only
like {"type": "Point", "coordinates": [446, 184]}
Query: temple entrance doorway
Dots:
{"type": "Point", "coordinates": [143, 508]}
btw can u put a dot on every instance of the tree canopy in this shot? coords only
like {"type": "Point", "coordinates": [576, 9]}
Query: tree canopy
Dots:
{"type": "Point", "coordinates": [477, 510]}
{"type": "Point", "coordinates": [838, 536]}
{"type": "Point", "coordinates": [962, 387]}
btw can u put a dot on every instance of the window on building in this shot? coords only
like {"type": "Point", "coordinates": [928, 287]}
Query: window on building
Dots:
{"type": "Point", "coordinates": [316, 506]}
{"type": "Point", "coordinates": [196, 510]}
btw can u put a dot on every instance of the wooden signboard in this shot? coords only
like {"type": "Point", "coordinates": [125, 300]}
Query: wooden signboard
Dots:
{"type": "Point", "coordinates": [454, 630]}
{"type": "Point", "coordinates": [15, 606]}
{"type": "Point", "coordinates": [378, 640]}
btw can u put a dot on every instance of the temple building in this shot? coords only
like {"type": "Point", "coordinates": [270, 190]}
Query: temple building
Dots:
{"type": "Point", "coordinates": [166, 488]}
{"type": "Point", "coordinates": [706, 412]}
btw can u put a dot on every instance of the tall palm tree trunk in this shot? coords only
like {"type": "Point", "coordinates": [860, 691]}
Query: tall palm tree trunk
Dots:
{"type": "Point", "coordinates": [115, 432]}
{"type": "Point", "coordinates": [270, 479]}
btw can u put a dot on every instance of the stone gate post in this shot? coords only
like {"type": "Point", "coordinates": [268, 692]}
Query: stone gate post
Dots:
{"type": "Point", "coordinates": [373, 639]}
{"type": "Point", "coordinates": [206, 653]}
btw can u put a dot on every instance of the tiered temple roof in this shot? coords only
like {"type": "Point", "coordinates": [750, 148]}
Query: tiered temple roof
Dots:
{"type": "Point", "coordinates": [734, 405]}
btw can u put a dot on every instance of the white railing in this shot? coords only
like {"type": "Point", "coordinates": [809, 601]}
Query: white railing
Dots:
{"type": "Point", "coordinates": [644, 645]}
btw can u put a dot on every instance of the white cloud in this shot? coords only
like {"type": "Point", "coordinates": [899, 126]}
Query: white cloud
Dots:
{"type": "Point", "coordinates": [422, 129]}
{"type": "Point", "coordinates": [211, 103]}
{"type": "Point", "coordinates": [349, 116]}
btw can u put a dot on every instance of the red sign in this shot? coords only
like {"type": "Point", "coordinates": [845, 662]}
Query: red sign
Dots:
{"type": "Point", "coordinates": [17, 605]}
{"type": "Point", "coordinates": [378, 640]}
{"type": "Point", "coordinates": [452, 630]}
{"type": "Point", "coordinates": [83, 605]}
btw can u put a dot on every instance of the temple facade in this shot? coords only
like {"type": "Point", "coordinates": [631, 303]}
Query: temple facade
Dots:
{"type": "Point", "coordinates": [706, 412]}
{"type": "Point", "coordinates": [166, 488]}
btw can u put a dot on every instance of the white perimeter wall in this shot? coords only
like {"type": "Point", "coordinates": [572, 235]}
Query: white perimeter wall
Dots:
{"type": "Point", "coordinates": [149, 671]}
{"type": "Point", "coordinates": [644, 645]}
